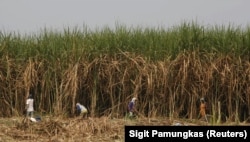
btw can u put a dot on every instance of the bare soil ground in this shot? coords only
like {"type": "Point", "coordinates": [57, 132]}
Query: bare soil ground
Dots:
{"type": "Point", "coordinates": [104, 129]}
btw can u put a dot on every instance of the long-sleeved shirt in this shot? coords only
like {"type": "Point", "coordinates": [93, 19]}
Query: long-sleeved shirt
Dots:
{"type": "Point", "coordinates": [80, 108]}
{"type": "Point", "coordinates": [131, 106]}
{"type": "Point", "coordinates": [29, 103]}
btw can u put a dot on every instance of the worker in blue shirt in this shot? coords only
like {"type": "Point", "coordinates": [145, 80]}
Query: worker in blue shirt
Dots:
{"type": "Point", "coordinates": [81, 110]}
{"type": "Point", "coordinates": [131, 107]}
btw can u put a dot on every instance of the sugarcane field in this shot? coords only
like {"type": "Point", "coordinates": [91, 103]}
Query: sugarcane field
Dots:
{"type": "Point", "coordinates": [87, 85]}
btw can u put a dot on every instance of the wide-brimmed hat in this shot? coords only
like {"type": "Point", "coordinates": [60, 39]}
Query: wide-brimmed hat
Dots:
{"type": "Point", "coordinates": [133, 99]}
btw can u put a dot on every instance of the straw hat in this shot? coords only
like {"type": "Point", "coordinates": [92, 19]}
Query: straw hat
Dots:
{"type": "Point", "coordinates": [202, 99]}
{"type": "Point", "coordinates": [133, 99]}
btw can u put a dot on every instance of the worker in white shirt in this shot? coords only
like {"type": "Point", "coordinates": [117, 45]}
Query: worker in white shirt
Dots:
{"type": "Point", "coordinates": [29, 106]}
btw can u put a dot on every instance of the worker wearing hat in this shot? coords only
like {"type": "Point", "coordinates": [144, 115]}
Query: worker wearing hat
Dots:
{"type": "Point", "coordinates": [81, 110]}
{"type": "Point", "coordinates": [203, 109]}
{"type": "Point", "coordinates": [131, 107]}
{"type": "Point", "coordinates": [29, 106]}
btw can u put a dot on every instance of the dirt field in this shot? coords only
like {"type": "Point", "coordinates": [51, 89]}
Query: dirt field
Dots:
{"type": "Point", "coordinates": [52, 129]}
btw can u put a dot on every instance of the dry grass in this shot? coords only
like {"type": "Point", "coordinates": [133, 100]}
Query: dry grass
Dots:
{"type": "Point", "coordinates": [60, 129]}
{"type": "Point", "coordinates": [76, 129]}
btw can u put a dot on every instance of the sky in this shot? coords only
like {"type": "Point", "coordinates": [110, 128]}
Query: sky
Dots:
{"type": "Point", "coordinates": [26, 16]}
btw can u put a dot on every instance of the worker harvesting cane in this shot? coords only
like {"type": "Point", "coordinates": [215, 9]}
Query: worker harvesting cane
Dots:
{"type": "Point", "coordinates": [81, 110]}
{"type": "Point", "coordinates": [203, 109]}
{"type": "Point", "coordinates": [131, 107]}
{"type": "Point", "coordinates": [29, 106]}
